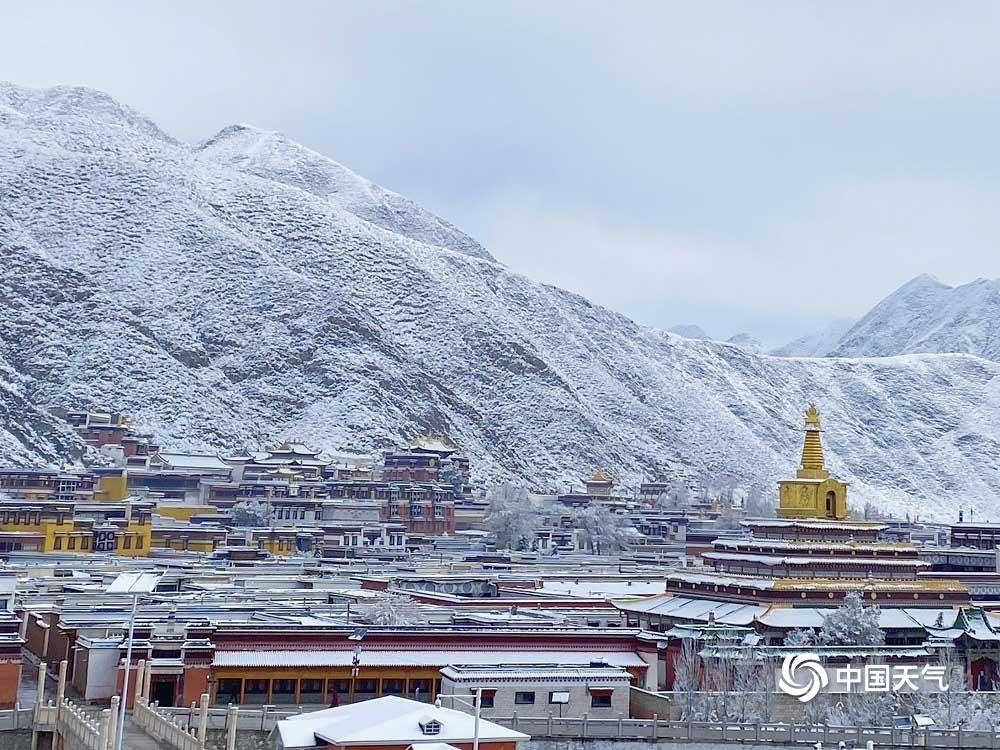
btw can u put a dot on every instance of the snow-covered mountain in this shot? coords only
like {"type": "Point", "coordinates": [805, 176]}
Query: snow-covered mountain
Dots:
{"type": "Point", "coordinates": [925, 315]}
{"type": "Point", "coordinates": [746, 341]}
{"type": "Point", "coordinates": [690, 331]}
{"type": "Point", "coordinates": [249, 289]}
{"type": "Point", "coordinates": [819, 343]}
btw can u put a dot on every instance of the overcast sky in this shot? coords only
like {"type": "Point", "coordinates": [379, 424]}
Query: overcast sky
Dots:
{"type": "Point", "coordinates": [747, 166]}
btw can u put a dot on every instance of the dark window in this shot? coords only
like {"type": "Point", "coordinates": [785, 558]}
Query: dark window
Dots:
{"type": "Point", "coordinates": [420, 690]}
{"type": "Point", "coordinates": [393, 687]}
{"type": "Point", "coordinates": [365, 689]}
{"type": "Point", "coordinates": [600, 700]}
{"type": "Point", "coordinates": [58, 544]}
{"type": "Point", "coordinates": [283, 691]}
{"type": "Point", "coordinates": [255, 691]}
{"type": "Point", "coordinates": [310, 691]}
{"type": "Point", "coordinates": [338, 692]}
{"type": "Point", "coordinates": [72, 543]}
{"type": "Point", "coordinates": [228, 691]}
{"type": "Point", "coordinates": [127, 542]}
{"type": "Point", "coordinates": [488, 696]}
{"type": "Point", "coordinates": [524, 698]}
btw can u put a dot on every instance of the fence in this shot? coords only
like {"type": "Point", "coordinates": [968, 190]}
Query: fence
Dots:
{"type": "Point", "coordinates": [13, 719]}
{"type": "Point", "coordinates": [164, 727]}
{"type": "Point", "coordinates": [654, 730]}
{"type": "Point", "coordinates": [79, 730]}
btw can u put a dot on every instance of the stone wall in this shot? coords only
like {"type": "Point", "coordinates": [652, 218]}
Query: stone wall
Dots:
{"type": "Point", "coordinates": [19, 740]}
{"type": "Point", "coordinates": [245, 740]}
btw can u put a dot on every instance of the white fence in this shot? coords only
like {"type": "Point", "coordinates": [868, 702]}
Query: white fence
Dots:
{"type": "Point", "coordinates": [164, 727]}
{"type": "Point", "coordinates": [13, 719]}
{"type": "Point", "coordinates": [653, 730]}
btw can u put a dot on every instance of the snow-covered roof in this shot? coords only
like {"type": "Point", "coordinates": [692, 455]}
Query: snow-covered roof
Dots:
{"type": "Point", "coordinates": [193, 460]}
{"type": "Point", "coordinates": [816, 524]}
{"type": "Point", "coordinates": [896, 618]}
{"type": "Point", "coordinates": [853, 562]}
{"type": "Point", "coordinates": [537, 672]}
{"type": "Point", "coordinates": [389, 720]}
{"type": "Point", "coordinates": [422, 658]}
{"type": "Point", "coordinates": [682, 607]}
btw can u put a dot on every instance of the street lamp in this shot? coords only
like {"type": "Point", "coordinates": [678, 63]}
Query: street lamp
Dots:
{"type": "Point", "coordinates": [477, 704]}
{"type": "Point", "coordinates": [135, 584]}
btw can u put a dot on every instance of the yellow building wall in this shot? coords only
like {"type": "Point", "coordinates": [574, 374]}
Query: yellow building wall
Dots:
{"type": "Point", "coordinates": [112, 488]}
{"type": "Point", "coordinates": [141, 540]}
{"type": "Point", "coordinates": [184, 512]}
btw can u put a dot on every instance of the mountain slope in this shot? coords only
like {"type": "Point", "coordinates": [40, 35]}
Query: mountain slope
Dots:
{"type": "Point", "coordinates": [819, 343]}
{"type": "Point", "coordinates": [249, 289]}
{"type": "Point", "coordinates": [925, 315]}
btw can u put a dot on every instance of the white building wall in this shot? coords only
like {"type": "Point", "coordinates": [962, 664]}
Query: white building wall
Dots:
{"type": "Point", "coordinates": [504, 700]}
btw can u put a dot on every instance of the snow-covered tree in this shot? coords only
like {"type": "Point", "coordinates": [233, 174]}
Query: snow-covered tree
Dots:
{"type": "Point", "coordinates": [678, 497]}
{"type": "Point", "coordinates": [251, 513]}
{"type": "Point", "coordinates": [757, 503]}
{"type": "Point", "coordinates": [851, 624]}
{"type": "Point", "coordinates": [603, 531]}
{"type": "Point", "coordinates": [511, 518]}
{"type": "Point", "coordinates": [869, 709]}
{"type": "Point", "coordinates": [687, 668]}
{"type": "Point", "coordinates": [803, 638]}
{"type": "Point", "coordinates": [390, 609]}
{"type": "Point", "coordinates": [750, 679]}
{"type": "Point", "coordinates": [450, 476]}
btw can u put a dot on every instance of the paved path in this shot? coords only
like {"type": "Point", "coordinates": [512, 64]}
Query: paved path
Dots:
{"type": "Point", "coordinates": [136, 739]}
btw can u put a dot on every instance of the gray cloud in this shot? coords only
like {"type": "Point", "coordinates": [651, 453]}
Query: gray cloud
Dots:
{"type": "Point", "coordinates": [748, 166]}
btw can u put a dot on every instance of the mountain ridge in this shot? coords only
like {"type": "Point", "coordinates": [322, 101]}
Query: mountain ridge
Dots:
{"type": "Point", "coordinates": [230, 295]}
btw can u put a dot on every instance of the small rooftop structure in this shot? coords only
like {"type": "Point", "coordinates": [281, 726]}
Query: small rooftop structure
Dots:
{"type": "Point", "coordinates": [390, 722]}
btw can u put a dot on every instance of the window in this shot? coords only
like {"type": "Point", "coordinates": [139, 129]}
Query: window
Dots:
{"type": "Point", "coordinates": [72, 543]}
{"type": "Point", "coordinates": [58, 543]}
{"type": "Point", "coordinates": [138, 542]}
{"type": "Point", "coordinates": [438, 511]}
{"type": "Point", "coordinates": [85, 543]}
{"type": "Point", "coordinates": [365, 689]}
{"type": "Point", "coordinates": [393, 687]}
{"type": "Point", "coordinates": [524, 698]}
{"type": "Point", "coordinates": [255, 691]}
{"type": "Point", "coordinates": [416, 511]}
{"type": "Point", "coordinates": [430, 726]}
{"type": "Point", "coordinates": [488, 696]}
{"type": "Point", "coordinates": [283, 691]}
{"type": "Point", "coordinates": [228, 691]}
{"type": "Point", "coordinates": [600, 700]}
{"type": "Point", "coordinates": [310, 691]}
{"type": "Point", "coordinates": [420, 690]}
{"type": "Point", "coordinates": [338, 692]}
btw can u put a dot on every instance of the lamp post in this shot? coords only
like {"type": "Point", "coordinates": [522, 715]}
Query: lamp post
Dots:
{"type": "Point", "coordinates": [477, 705]}
{"type": "Point", "coordinates": [135, 584]}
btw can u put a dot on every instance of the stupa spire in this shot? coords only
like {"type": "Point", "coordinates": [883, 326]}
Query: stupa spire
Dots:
{"type": "Point", "coordinates": [812, 447]}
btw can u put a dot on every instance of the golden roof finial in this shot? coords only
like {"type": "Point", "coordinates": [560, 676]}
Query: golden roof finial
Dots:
{"type": "Point", "coordinates": [812, 416]}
